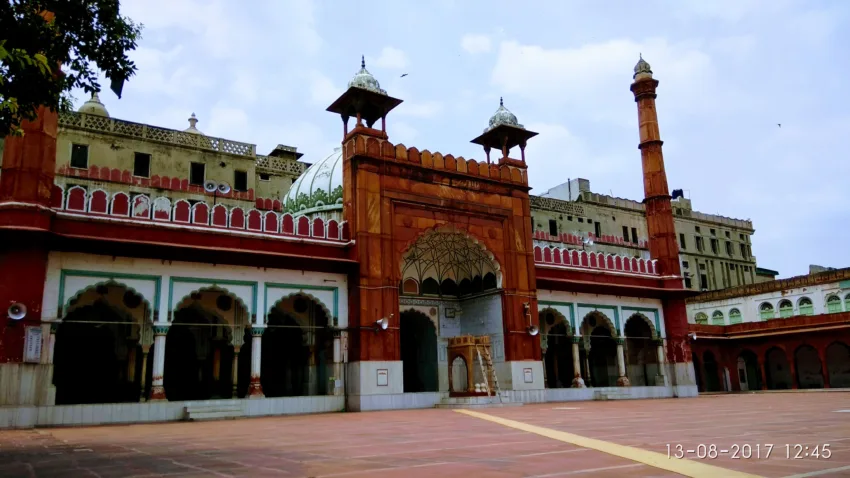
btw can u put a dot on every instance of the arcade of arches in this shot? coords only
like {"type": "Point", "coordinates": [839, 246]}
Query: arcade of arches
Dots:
{"type": "Point", "coordinates": [598, 356]}
{"type": "Point", "coordinates": [816, 362]}
{"type": "Point", "coordinates": [106, 349]}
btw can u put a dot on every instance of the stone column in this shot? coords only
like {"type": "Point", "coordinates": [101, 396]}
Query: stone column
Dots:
{"type": "Point", "coordinates": [577, 380]}
{"type": "Point", "coordinates": [622, 380]}
{"type": "Point", "coordinates": [157, 389]}
{"type": "Point", "coordinates": [337, 368]}
{"type": "Point", "coordinates": [587, 363]}
{"type": "Point", "coordinates": [51, 341]}
{"type": "Point", "coordinates": [660, 380]}
{"type": "Point", "coordinates": [255, 389]}
{"type": "Point", "coordinates": [144, 378]}
{"type": "Point", "coordinates": [236, 350]}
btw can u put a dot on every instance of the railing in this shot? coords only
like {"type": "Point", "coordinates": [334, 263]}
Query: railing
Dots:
{"type": "Point", "coordinates": [114, 126]}
{"type": "Point", "coordinates": [279, 165]}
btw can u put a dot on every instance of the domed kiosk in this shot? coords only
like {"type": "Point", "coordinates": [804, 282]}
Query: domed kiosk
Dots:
{"type": "Point", "coordinates": [318, 192]}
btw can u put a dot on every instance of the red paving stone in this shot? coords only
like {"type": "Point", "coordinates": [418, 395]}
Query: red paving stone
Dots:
{"type": "Point", "coordinates": [444, 443]}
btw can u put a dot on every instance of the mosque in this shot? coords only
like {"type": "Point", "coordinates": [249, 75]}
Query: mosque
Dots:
{"type": "Point", "coordinates": [153, 274]}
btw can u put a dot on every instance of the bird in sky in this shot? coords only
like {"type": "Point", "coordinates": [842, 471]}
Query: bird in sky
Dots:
{"type": "Point", "coordinates": [403, 75]}
{"type": "Point", "coordinates": [779, 124]}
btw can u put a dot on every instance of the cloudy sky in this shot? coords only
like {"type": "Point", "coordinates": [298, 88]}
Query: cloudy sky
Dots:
{"type": "Point", "coordinates": [263, 71]}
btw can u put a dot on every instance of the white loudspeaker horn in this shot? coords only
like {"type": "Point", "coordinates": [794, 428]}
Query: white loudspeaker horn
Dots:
{"type": "Point", "coordinates": [532, 330]}
{"type": "Point", "coordinates": [223, 188]}
{"type": "Point", "coordinates": [17, 311]}
{"type": "Point", "coordinates": [382, 324]}
{"type": "Point", "coordinates": [210, 186]}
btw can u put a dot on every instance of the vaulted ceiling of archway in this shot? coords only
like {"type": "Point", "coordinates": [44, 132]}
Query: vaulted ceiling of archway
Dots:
{"type": "Point", "coordinates": [446, 255]}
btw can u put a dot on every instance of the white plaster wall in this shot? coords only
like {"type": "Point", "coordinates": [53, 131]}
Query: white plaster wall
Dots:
{"type": "Point", "coordinates": [620, 303]}
{"type": "Point", "coordinates": [749, 305]}
{"type": "Point", "coordinates": [210, 273]}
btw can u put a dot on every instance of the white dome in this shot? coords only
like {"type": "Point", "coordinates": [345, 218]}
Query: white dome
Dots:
{"type": "Point", "coordinates": [93, 106]}
{"type": "Point", "coordinates": [319, 188]}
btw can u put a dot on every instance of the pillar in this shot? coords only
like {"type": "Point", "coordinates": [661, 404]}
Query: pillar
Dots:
{"type": "Point", "coordinates": [824, 367]}
{"type": "Point", "coordinates": [51, 341]}
{"type": "Point", "coordinates": [235, 372]}
{"type": "Point", "coordinates": [337, 367]}
{"type": "Point", "coordinates": [157, 389]}
{"type": "Point", "coordinates": [577, 380]}
{"type": "Point", "coordinates": [587, 364]}
{"type": "Point", "coordinates": [131, 364]}
{"type": "Point", "coordinates": [622, 380]}
{"type": "Point", "coordinates": [144, 378]}
{"type": "Point", "coordinates": [255, 388]}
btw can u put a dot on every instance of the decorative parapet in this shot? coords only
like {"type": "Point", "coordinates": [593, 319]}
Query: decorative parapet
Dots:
{"type": "Point", "coordinates": [597, 261]}
{"type": "Point", "coordinates": [798, 282]}
{"type": "Point", "coordinates": [360, 144]}
{"type": "Point", "coordinates": [145, 209]}
{"type": "Point", "coordinates": [556, 205]}
{"type": "Point", "coordinates": [275, 165]}
{"type": "Point", "coordinates": [101, 124]}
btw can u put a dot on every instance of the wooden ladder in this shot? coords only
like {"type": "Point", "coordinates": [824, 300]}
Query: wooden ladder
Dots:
{"type": "Point", "coordinates": [487, 371]}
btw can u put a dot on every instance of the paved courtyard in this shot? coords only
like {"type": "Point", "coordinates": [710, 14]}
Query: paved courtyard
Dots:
{"type": "Point", "coordinates": [616, 438]}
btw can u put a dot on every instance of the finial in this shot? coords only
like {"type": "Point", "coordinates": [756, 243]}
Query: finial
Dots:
{"type": "Point", "coordinates": [193, 120]}
{"type": "Point", "coordinates": [94, 96]}
{"type": "Point", "coordinates": [640, 55]}
{"type": "Point", "coordinates": [501, 101]}
{"type": "Point", "coordinates": [362, 61]}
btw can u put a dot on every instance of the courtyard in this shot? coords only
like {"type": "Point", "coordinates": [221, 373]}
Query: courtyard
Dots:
{"type": "Point", "coordinates": [611, 438]}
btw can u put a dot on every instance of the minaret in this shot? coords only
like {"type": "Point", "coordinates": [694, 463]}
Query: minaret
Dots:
{"type": "Point", "coordinates": [659, 213]}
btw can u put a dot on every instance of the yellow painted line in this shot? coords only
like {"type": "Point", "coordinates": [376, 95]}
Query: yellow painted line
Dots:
{"type": "Point", "coordinates": [684, 467]}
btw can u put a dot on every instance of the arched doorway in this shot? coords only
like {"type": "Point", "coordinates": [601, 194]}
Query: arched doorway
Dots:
{"type": "Point", "coordinates": [460, 377]}
{"type": "Point", "coordinates": [749, 373]}
{"type": "Point", "coordinates": [297, 353]}
{"type": "Point", "coordinates": [777, 370]}
{"type": "Point", "coordinates": [641, 352]}
{"type": "Point", "coordinates": [809, 368]}
{"type": "Point", "coordinates": [598, 333]}
{"type": "Point", "coordinates": [97, 354]}
{"type": "Point", "coordinates": [419, 352]}
{"type": "Point", "coordinates": [557, 344]}
{"type": "Point", "coordinates": [838, 365]}
{"type": "Point", "coordinates": [208, 326]}
{"type": "Point", "coordinates": [712, 372]}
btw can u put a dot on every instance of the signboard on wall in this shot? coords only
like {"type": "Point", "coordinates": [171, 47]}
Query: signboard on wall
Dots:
{"type": "Point", "coordinates": [383, 377]}
{"type": "Point", "coordinates": [528, 375]}
{"type": "Point", "coordinates": [32, 345]}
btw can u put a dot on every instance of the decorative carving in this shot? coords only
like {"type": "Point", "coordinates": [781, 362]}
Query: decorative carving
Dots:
{"type": "Point", "coordinates": [257, 331]}
{"type": "Point", "coordinates": [160, 329]}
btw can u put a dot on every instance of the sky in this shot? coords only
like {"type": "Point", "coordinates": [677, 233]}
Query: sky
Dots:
{"type": "Point", "coordinates": [730, 71]}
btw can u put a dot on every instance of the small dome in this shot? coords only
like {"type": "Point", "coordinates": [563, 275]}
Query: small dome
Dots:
{"type": "Point", "coordinates": [193, 120]}
{"type": "Point", "coordinates": [642, 69]}
{"type": "Point", "coordinates": [364, 79]}
{"type": "Point", "coordinates": [94, 107]}
{"type": "Point", "coordinates": [318, 189]}
{"type": "Point", "coordinates": [503, 116]}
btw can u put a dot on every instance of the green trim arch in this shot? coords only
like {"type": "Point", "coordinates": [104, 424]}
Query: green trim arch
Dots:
{"type": "Point", "coordinates": [333, 313]}
{"type": "Point", "coordinates": [108, 278]}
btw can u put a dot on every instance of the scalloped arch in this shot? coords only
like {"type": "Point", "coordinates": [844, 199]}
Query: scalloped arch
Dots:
{"type": "Point", "coordinates": [640, 316]}
{"type": "Point", "coordinates": [453, 229]}
{"type": "Point", "coordinates": [212, 288]}
{"type": "Point", "coordinates": [66, 307]}
{"type": "Point", "coordinates": [413, 309]}
{"type": "Point", "coordinates": [606, 321]}
{"type": "Point", "coordinates": [559, 317]}
{"type": "Point", "coordinates": [322, 305]}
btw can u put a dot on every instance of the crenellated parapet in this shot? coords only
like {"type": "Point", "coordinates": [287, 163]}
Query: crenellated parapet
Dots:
{"type": "Point", "coordinates": [596, 261]}
{"type": "Point", "coordinates": [382, 149]}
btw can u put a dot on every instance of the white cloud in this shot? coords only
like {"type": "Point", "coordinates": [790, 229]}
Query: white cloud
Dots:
{"type": "Point", "coordinates": [392, 59]}
{"type": "Point", "coordinates": [323, 91]}
{"type": "Point", "coordinates": [475, 43]}
{"type": "Point", "coordinates": [427, 109]}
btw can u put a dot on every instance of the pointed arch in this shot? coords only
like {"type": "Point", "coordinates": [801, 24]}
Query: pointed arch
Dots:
{"type": "Point", "coordinates": [149, 308]}
{"type": "Point", "coordinates": [331, 317]}
{"type": "Point", "coordinates": [600, 319]}
{"type": "Point", "coordinates": [213, 288]}
{"type": "Point", "coordinates": [640, 316]}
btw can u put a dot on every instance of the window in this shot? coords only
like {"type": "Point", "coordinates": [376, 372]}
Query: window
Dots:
{"type": "Point", "coordinates": [634, 235]}
{"type": "Point", "coordinates": [569, 218]}
{"type": "Point", "coordinates": [196, 174]}
{"type": "Point", "coordinates": [590, 221]}
{"type": "Point", "coordinates": [714, 246]}
{"type": "Point", "coordinates": [833, 304]}
{"type": "Point", "coordinates": [598, 229]}
{"type": "Point", "coordinates": [240, 181]}
{"type": "Point", "coordinates": [766, 311]}
{"type": "Point", "coordinates": [786, 309]}
{"type": "Point", "coordinates": [731, 267]}
{"type": "Point", "coordinates": [746, 268]}
{"type": "Point", "coordinates": [702, 267]}
{"type": "Point", "coordinates": [553, 227]}
{"type": "Point", "coordinates": [727, 233]}
{"type": "Point", "coordinates": [142, 165]}
{"type": "Point", "coordinates": [701, 318]}
{"type": "Point", "coordinates": [743, 249]}
{"type": "Point", "coordinates": [581, 219]}
{"type": "Point", "coordinates": [717, 318]}
{"type": "Point", "coordinates": [685, 264]}
{"type": "Point", "coordinates": [713, 232]}
{"type": "Point", "coordinates": [735, 316]}
{"type": "Point", "coordinates": [699, 243]}
{"type": "Point", "coordinates": [682, 243]}
{"type": "Point", "coordinates": [696, 228]}
{"type": "Point", "coordinates": [741, 236]}
{"type": "Point", "coordinates": [730, 251]}
{"type": "Point", "coordinates": [703, 282]}
{"type": "Point", "coordinates": [626, 233]}
{"type": "Point", "coordinates": [80, 156]}
{"type": "Point", "coordinates": [265, 177]}
{"type": "Point", "coordinates": [688, 283]}
{"type": "Point", "coordinates": [806, 307]}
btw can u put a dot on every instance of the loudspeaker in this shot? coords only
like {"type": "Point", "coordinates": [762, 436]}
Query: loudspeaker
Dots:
{"type": "Point", "coordinates": [210, 186]}
{"type": "Point", "coordinates": [382, 323]}
{"type": "Point", "coordinates": [532, 330]}
{"type": "Point", "coordinates": [17, 311]}
{"type": "Point", "coordinates": [223, 188]}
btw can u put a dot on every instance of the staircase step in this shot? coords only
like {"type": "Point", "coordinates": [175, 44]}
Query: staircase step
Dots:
{"type": "Point", "coordinates": [212, 412]}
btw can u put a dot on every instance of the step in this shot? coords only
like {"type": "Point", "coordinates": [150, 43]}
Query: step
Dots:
{"type": "Point", "coordinates": [478, 405]}
{"type": "Point", "coordinates": [212, 412]}
{"type": "Point", "coordinates": [611, 396]}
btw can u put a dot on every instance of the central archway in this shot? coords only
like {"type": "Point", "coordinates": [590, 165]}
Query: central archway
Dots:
{"type": "Point", "coordinates": [557, 343]}
{"type": "Point", "coordinates": [418, 352]}
{"type": "Point", "coordinates": [641, 352]}
{"type": "Point", "coordinates": [601, 347]}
